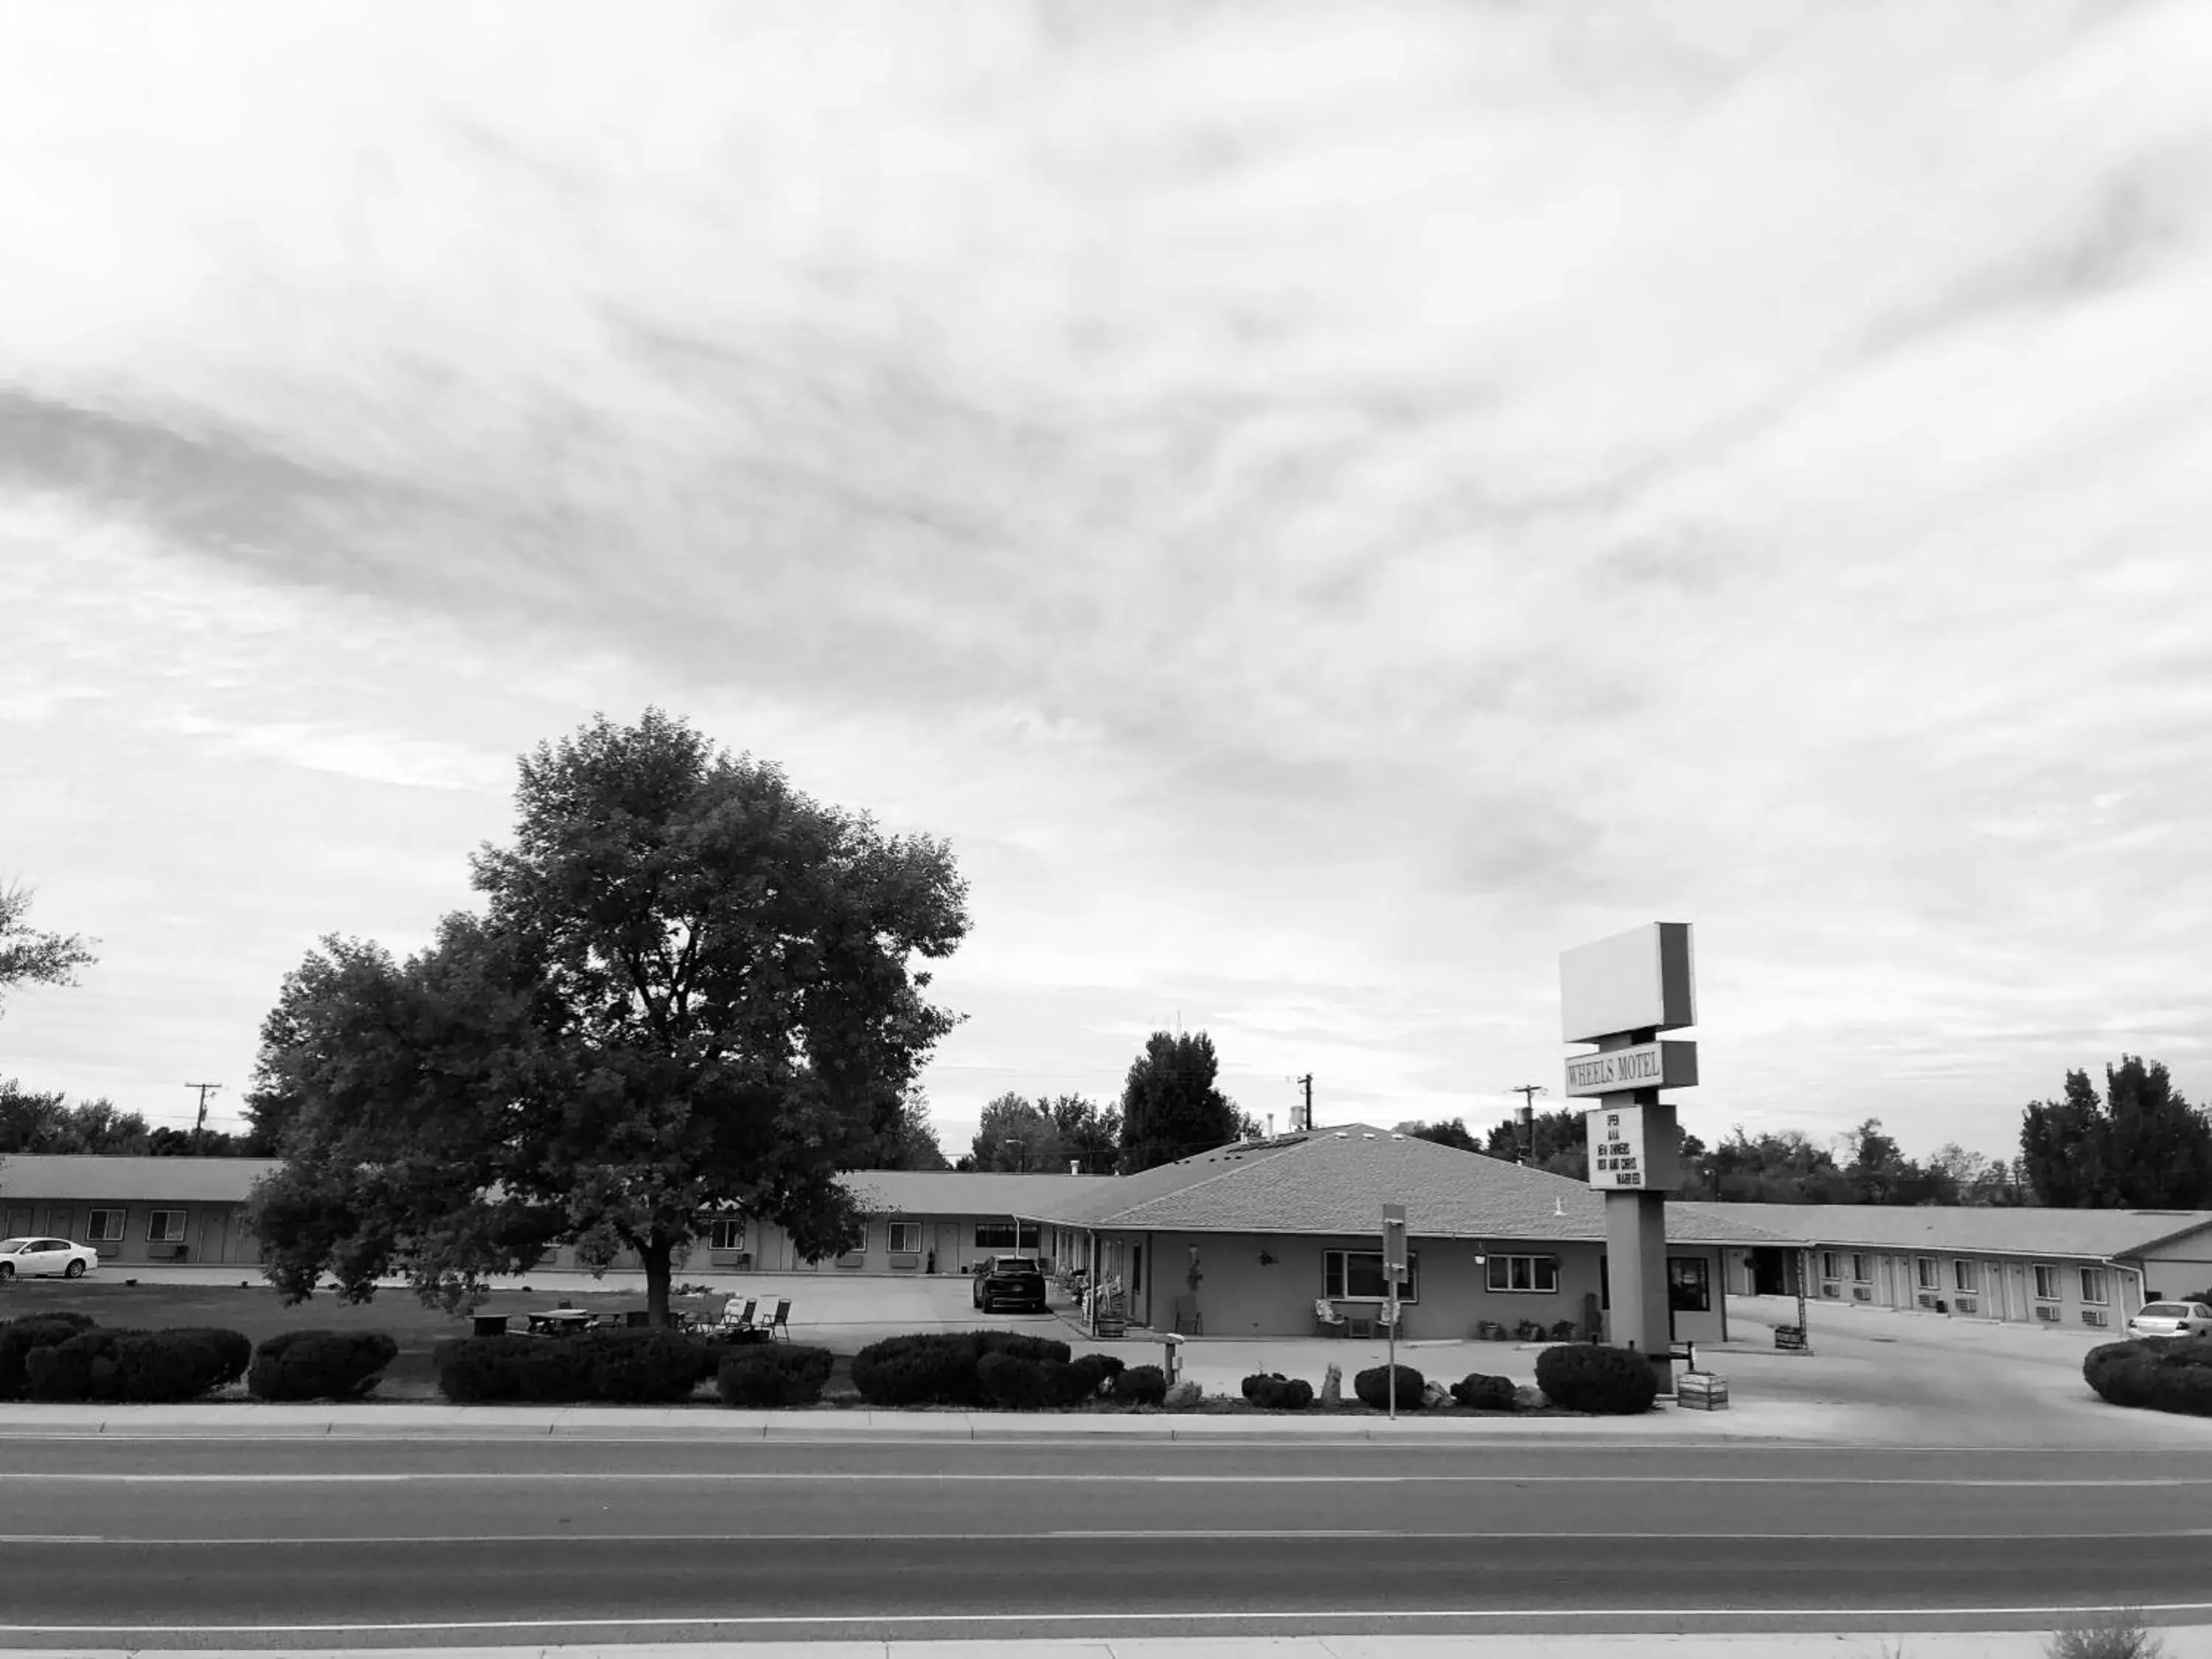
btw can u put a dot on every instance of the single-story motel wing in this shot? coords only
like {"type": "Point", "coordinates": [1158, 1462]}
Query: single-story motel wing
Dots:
{"type": "Point", "coordinates": [1248, 1239]}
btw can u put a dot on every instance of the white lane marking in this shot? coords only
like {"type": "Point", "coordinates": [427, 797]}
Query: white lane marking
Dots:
{"type": "Point", "coordinates": [1273, 1535]}
{"type": "Point", "coordinates": [762, 1477]}
{"type": "Point", "coordinates": [2199, 1612]}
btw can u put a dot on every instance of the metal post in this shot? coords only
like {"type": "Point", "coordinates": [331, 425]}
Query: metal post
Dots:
{"type": "Point", "coordinates": [1390, 1313]}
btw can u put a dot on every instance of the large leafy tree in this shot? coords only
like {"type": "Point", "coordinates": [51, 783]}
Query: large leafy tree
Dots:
{"type": "Point", "coordinates": [911, 1142]}
{"type": "Point", "coordinates": [2141, 1145]}
{"type": "Point", "coordinates": [692, 986]}
{"type": "Point", "coordinates": [1090, 1134]}
{"type": "Point", "coordinates": [1445, 1132]}
{"type": "Point", "coordinates": [1015, 1134]}
{"type": "Point", "coordinates": [1170, 1107]}
{"type": "Point", "coordinates": [28, 957]}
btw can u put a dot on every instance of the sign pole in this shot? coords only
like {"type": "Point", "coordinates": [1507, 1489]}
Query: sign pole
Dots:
{"type": "Point", "coordinates": [1394, 1260]}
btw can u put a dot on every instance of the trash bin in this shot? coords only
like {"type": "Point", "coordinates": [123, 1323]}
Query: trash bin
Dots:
{"type": "Point", "coordinates": [491, 1325]}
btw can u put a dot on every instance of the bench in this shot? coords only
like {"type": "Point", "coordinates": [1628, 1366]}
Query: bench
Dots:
{"type": "Point", "coordinates": [166, 1251]}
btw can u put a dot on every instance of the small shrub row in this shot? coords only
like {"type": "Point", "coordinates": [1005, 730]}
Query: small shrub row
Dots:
{"type": "Point", "coordinates": [1485, 1394]}
{"type": "Point", "coordinates": [945, 1368]}
{"type": "Point", "coordinates": [19, 1336]}
{"type": "Point", "coordinates": [319, 1365]}
{"type": "Point", "coordinates": [1272, 1391]}
{"type": "Point", "coordinates": [651, 1367]}
{"type": "Point", "coordinates": [1590, 1376]}
{"type": "Point", "coordinates": [2160, 1374]}
{"type": "Point", "coordinates": [782, 1374]}
{"type": "Point", "coordinates": [138, 1367]}
{"type": "Point", "coordinates": [1372, 1388]}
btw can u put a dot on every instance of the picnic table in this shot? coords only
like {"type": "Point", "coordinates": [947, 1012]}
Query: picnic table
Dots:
{"type": "Point", "coordinates": [561, 1322]}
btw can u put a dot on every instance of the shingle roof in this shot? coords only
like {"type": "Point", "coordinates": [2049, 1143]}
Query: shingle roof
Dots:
{"type": "Point", "coordinates": [79, 1178]}
{"type": "Point", "coordinates": [2025, 1232]}
{"type": "Point", "coordinates": [957, 1192]}
{"type": "Point", "coordinates": [1335, 1180]}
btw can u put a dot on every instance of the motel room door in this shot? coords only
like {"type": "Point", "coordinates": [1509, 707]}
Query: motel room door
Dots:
{"type": "Point", "coordinates": [213, 1243]}
{"type": "Point", "coordinates": [948, 1247]}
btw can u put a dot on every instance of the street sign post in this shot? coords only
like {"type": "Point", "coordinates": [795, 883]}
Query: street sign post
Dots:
{"type": "Point", "coordinates": [1394, 1260]}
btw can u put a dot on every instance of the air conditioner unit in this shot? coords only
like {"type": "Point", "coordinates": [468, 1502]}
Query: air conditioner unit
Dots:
{"type": "Point", "coordinates": [1833, 1293]}
{"type": "Point", "coordinates": [1927, 1298]}
{"type": "Point", "coordinates": [2045, 1312]}
{"type": "Point", "coordinates": [1968, 1304]}
{"type": "Point", "coordinates": [2093, 1317]}
{"type": "Point", "coordinates": [1862, 1292]}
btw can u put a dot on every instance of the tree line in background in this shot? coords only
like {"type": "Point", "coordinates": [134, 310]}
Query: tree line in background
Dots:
{"type": "Point", "coordinates": [1171, 1107]}
{"type": "Point", "coordinates": [34, 1122]}
{"type": "Point", "coordinates": [2139, 1145]}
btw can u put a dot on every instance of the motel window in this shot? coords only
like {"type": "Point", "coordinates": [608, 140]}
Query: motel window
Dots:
{"type": "Point", "coordinates": [2046, 1282]}
{"type": "Point", "coordinates": [2093, 1285]}
{"type": "Point", "coordinates": [727, 1233]}
{"type": "Point", "coordinates": [1962, 1277]}
{"type": "Point", "coordinates": [906, 1237]}
{"type": "Point", "coordinates": [1689, 1284]}
{"type": "Point", "coordinates": [999, 1236]}
{"type": "Point", "coordinates": [106, 1226]}
{"type": "Point", "coordinates": [1862, 1273]}
{"type": "Point", "coordinates": [1832, 1265]}
{"type": "Point", "coordinates": [166, 1227]}
{"type": "Point", "coordinates": [1357, 1275]}
{"type": "Point", "coordinates": [1537, 1274]}
{"type": "Point", "coordinates": [1924, 1271]}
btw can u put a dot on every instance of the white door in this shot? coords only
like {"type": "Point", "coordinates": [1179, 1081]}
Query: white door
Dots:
{"type": "Point", "coordinates": [45, 1256]}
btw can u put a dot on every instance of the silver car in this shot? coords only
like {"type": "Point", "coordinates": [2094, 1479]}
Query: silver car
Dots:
{"type": "Point", "coordinates": [2171, 1319]}
{"type": "Point", "coordinates": [33, 1256]}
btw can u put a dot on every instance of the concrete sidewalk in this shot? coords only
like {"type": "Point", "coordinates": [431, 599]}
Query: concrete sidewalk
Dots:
{"type": "Point", "coordinates": [2188, 1642]}
{"type": "Point", "coordinates": [1761, 1421]}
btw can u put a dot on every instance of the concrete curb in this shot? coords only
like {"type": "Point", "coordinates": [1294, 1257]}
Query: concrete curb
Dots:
{"type": "Point", "coordinates": [254, 1420]}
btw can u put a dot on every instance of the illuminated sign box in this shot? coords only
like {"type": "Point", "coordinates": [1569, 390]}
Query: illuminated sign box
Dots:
{"type": "Point", "coordinates": [1623, 1158]}
{"type": "Point", "coordinates": [1638, 980]}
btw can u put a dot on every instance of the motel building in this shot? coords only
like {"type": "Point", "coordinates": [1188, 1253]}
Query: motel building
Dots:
{"type": "Point", "coordinates": [2068, 1268]}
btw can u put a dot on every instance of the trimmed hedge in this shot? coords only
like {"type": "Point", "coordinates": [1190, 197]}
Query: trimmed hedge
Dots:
{"type": "Point", "coordinates": [782, 1374]}
{"type": "Point", "coordinates": [19, 1336]}
{"type": "Point", "coordinates": [944, 1368]}
{"type": "Point", "coordinates": [2160, 1374]}
{"type": "Point", "coordinates": [137, 1367]}
{"type": "Point", "coordinates": [655, 1366]}
{"type": "Point", "coordinates": [1140, 1385]}
{"type": "Point", "coordinates": [1372, 1388]}
{"type": "Point", "coordinates": [1272, 1391]}
{"type": "Point", "coordinates": [1485, 1394]}
{"type": "Point", "coordinates": [1590, 1376]}
{"type": "Point", "coordinates": [319, 1365]}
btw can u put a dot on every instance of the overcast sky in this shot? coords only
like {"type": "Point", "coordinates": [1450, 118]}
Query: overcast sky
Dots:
{"type": "Point", "coordinates": [1324, 505]}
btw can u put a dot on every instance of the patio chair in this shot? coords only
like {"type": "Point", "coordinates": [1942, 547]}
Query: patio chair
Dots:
{"type": "Point", "coordinates": [733, 1319]}
{"type": "Point", "coordinates": [1328, 1321]}
{"type": "Point", "coordinates": [782, 1322]}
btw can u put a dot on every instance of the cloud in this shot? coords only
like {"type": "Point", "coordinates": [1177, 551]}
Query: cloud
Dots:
{"type": "Point", "coordinates": [1346, 501]}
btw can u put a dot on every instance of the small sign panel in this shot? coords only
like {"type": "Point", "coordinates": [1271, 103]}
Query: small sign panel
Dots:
{"type": "Point", "coordinates": [1394, 1246]}
{"type": "Point", "coordinates": [1616, 1149]}
{"type": "Point", "coordinates": [1645, 1066]}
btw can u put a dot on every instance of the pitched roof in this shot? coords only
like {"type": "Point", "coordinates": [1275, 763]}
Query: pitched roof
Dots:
{"type": "Point", "coordinates": [1335, 1180]}
{"type": "Point", "coordinates": [958, 1192]}
{"type": "Point", "coordinates": [1962, 1227]}
{"type": "Point", "coordinates": [76, 1178]}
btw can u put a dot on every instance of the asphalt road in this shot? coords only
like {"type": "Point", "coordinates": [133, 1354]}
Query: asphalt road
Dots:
{"type": "Point", "coordinates": [298, 1544]}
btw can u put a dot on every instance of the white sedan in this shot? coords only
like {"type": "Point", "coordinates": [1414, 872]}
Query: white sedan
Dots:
{"type": "Point", "coordinates": [2171, 1319]}
{"type": "Point", "coordinates": [33, 1256]}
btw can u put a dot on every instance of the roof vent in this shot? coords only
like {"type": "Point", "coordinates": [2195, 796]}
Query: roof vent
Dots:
{"type": "Point", "coordinates": [1395, 1135]}
{"type": "Point", "coordinates": [1344, 1134]}
{"type": "Point", "coordinates": [1367, 1134]}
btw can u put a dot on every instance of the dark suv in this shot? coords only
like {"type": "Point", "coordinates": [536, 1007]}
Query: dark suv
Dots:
{"type": "Point", "coordinates": [1013, 1281]}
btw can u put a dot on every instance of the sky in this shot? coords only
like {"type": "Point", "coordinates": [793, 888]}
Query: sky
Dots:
{"type": "Point", "coordinates": [1324, 506]}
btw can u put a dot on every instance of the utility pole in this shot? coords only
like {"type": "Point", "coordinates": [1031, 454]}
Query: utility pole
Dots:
{"type": "Point", "coordinates": [1305, 1118]}
{"type": "Point", "coordinates": [199, 1128]}
{"type": "Point", "coordinates": [1529, 1091]}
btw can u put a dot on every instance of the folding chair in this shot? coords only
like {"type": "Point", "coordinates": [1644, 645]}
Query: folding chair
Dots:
{"type": "Point", "coordinates": [743, 1321]}
{"type": "Point", "coordinates": [781, 1321]}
